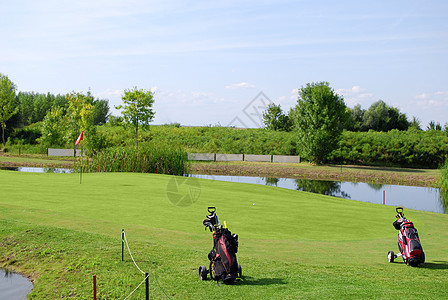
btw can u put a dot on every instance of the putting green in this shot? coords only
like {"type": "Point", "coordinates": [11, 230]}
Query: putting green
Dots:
{"type": "Point", "coordinates": [319, 235]}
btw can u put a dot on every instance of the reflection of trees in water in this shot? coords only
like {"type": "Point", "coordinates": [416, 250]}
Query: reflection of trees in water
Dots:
{"type": "Point", "coordinates": [443, 198]}
{"type": "Point", "coordinates": [375, 186]}
{"type": "Point", "coordinates": [329, 188]}
{"type": "Point", "coordinates": [9, 168]}
{"type": "Point", "coordinates": [271, 181]}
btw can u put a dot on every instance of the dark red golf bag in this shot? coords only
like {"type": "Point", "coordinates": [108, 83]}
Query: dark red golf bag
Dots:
{"type": "Point", "coordinates": [408, 241]}
{"type": "Point", "coordinates": [223, 263]}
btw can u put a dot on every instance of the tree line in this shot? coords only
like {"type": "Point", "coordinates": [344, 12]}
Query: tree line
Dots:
{"type": "Point", "coordinates": [18, 110]}
{"type": "Point", "coordinates": [320, 116]}
{"type": "Point", "coordinates": [316, 121]}
{"type": "Point", "coordinates": [378, 117]}
{"type": "Point", "coordinates": [56, 120]}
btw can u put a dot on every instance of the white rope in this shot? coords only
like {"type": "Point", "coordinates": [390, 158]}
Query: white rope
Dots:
{"type": "Point", "coordinates": [124, 234]}
{"type": "Point", "coordinates": [136, 288]}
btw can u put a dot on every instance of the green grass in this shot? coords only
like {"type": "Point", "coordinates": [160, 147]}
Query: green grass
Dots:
{"type": "Point", "coordinates": [292, 244]}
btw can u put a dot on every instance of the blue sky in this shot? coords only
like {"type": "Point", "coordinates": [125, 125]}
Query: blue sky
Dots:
{"type": "Point", "coordinates": [207, 60]}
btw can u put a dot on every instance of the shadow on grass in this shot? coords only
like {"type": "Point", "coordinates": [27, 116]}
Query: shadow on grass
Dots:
{"type": "Point", "coordinates": [435, 265]}
{"type": "Point", "coordinates": [247, 280]}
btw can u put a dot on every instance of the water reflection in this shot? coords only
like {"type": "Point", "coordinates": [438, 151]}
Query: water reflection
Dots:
{"type": "Point", "coordinates": [271, 181]}
{"type": "Point", "coordinates": [37, 169]}
{"type": "Point", "coordinates": [329, 188]}
{"type": "Point", "coordinates": [376, 186]}
{"type": "Point", "coordinates": [420, 198]}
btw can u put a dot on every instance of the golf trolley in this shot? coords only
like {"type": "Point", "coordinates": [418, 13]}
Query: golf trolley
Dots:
{"type": "Point", "coordinates": [408, 242]}
{"type": "Point", "coordinates": [223, 263]}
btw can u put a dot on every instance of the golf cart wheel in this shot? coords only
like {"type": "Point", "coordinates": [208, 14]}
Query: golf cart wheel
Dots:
{"type": "Point", "coordinates": [390, 256]}
{"type": "Point", "coordinates": [203, 273]}
{"type": "Point", "coordinates": [240, 271]}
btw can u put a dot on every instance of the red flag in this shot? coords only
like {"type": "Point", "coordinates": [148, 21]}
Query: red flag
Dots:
{"type": "Point", "coordinates": [79, 138]}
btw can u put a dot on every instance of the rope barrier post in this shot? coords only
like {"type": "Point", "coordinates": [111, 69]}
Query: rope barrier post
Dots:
{"type": "Point", "coordinates": [147, 285]}
{"type": "Point", "coordinates": [94, 287]}
{"type": "Point", "coordinates": [122, 245]}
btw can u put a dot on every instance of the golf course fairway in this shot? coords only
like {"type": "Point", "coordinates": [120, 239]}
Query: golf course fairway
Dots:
{"type": "Point", "coordinates": [292, 244]}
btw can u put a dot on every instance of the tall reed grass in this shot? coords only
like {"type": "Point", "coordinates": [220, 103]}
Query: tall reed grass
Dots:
{"type": "Point", "coordinates": [160, 159]}
{"type": "Point", "coordinates": [443, 180]}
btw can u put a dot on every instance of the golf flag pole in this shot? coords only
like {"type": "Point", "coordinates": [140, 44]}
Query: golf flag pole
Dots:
{"type": "Point", "coordinates": [80, 138]}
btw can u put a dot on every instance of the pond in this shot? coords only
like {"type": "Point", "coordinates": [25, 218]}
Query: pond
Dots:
{"type": "Point", "coordinates": [37, 170]}
{"type": "Point", "coordinates": [419, 198]}
{"type": "Point", "coordinates": [13, 285]}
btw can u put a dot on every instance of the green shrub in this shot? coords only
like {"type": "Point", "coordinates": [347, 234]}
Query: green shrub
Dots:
{"type": "Point", "coordinates": [444, 185]}
{"type": "Point", "coordinates": [149, 158]}
{"type": "Point", "coordinates": [410, 148]}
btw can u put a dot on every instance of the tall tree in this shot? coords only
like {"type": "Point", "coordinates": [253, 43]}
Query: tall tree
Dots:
{"type": "Point", "coordinates": [8, 106]}
{"type": "Point", "coordinates": [100, 112]}
{"type": "Point", "coordinates": [319, 116]}
{"type": "Point", "coordinates": [80, 118]}
{"type": "Point", "coordinates": [415, 123]}
{"type": "Point", "coordinates": [381, 117]}
{"type": "Point", "coordinates": [275, 119]}
{"type": "Point", "coordinates": [26, 104]}
{"type": "Point", "coordinates": [433, 125]}
{"type": "Point", "coordinates": [137, 109]}
{"type": "Point", "coordinates": [54, 127]}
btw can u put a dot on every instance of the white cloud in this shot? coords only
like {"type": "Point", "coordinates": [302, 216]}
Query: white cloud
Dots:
{"type": "Point", "coordinates": [294, 94]}
{"type": "Point", "coordinates": [240, 85]}
{"type": "Point", "coordinates": [109, 93]}
{"type": "Point", "coordinates": [355, 95]}
{"type": "Point", "coordinates": [431, 100]}
{"type": "Point", "coordinates": [281, 99]}
{"type": "Point", "coordinates": [422, 96]}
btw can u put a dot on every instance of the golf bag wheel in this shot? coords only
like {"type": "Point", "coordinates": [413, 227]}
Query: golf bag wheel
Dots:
{"type": "Point", "coordinates": [390, 256]}
{"type": "Point", "coordinates": [203, 273]}
{"type": "Point", "coordinates": [240, 272]}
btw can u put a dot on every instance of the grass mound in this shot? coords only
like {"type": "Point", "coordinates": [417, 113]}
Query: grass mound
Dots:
{"type": "Point", "coordinates": [292, 244]}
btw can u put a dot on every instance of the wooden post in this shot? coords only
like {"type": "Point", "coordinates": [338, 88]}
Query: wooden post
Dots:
{"type": "Point", "coordinates": [147, 285]}
{"type": "Point", "coordinates": [94, 287]}
{"type": "Point", "coordinates": [122, 245]}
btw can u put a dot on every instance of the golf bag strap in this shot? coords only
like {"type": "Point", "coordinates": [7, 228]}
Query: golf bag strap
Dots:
{"type": "Point", "coordinates": [211, 273]}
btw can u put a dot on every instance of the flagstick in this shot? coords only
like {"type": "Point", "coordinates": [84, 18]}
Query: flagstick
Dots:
{"type": "Point", "coordinates": [79, 140]}
{"type": "Point", "coordinates": [80, 175]}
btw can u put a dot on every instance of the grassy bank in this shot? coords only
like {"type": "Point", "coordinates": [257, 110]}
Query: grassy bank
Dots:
{"type": "Point", "coordinates": [35, 160]}
{"type": "Point", "coordinates": [292, 244]}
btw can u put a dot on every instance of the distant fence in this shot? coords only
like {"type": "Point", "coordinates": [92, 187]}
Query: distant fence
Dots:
{"type": "Point", "coordinates": [63, 152]}
{"type": "Point", "coordinates": [244, 157]}
{"type": "Point", "coordinates": [203, 156]}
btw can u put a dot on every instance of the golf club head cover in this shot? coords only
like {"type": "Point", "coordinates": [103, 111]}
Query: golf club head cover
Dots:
{"type": "Point", "coordinates": [208, 223]}
{"type": "Point", "coordinates": [213, 219]}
